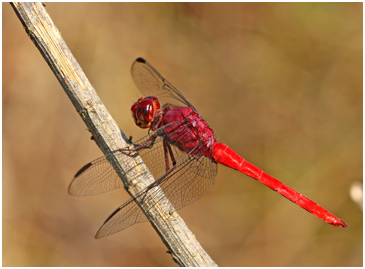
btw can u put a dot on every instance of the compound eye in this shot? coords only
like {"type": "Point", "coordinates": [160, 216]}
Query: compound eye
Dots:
{"type": "Point", "coordinates": [143, 111]}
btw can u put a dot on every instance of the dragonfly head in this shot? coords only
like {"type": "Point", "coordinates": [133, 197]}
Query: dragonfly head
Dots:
{"type": "Point", "coordinates": [144, 111]}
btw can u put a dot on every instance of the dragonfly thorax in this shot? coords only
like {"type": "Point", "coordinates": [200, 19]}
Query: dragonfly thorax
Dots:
{"type": "Point", "coordinates": [184, 128]}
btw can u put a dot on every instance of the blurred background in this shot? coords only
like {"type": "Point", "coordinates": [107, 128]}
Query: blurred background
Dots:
{"type": "Point", "coordinates": [281, 83]}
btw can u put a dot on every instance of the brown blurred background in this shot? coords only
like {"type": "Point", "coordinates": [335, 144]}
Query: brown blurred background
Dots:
{"type": "Point", "coordinates": [280, 83]}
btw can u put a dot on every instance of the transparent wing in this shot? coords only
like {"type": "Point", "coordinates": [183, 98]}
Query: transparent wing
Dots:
{"type": "Point", "coordinates": [99, 176]}
{"type": "Point", "coordinates": [151, 83]}
{"type": "Point", "coordinates": [190, 176]}
{"type": "Point", "coordinates": [96, 177]}
{"type": "Point", "coordinates": [189, 180]}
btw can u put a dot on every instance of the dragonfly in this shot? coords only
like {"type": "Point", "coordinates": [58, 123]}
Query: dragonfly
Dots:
{"type": "Point", "coordinates": [180, 150]}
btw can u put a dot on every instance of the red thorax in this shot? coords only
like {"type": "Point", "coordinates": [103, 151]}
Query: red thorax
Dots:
{"type": "Point", "coordinates": [186, 129]}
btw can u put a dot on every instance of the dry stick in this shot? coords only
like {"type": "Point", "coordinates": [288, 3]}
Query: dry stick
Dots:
{"type": "Point", "coordinates": [182, 244]}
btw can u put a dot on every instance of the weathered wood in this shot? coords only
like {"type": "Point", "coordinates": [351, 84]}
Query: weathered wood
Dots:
{"type": "Point", "coordinates": [182, 244]}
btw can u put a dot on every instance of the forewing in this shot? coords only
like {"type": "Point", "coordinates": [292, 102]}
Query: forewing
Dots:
{"type": "Point", "coordinates": [151, 83]}
{"type": "Point", "coordinates": [96, 177]}
{"type": "Point", "coordinates": [99, 176]}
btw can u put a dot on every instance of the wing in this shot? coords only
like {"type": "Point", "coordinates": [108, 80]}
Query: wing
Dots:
{"type": "Point", "coordinates": [151, 83]}
{"type": "Point", "coordinates": [190, 177]}
{"type": "Point", "coordinates": [189, 180]}
{"type": "Point", "coordinates": [96, 177]}
{"type": "Point", "coordinates": [99, 176]}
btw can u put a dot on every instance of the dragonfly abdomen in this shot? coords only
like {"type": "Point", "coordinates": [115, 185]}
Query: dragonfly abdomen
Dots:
{"type": "Point", "coordinates": [225, 155]}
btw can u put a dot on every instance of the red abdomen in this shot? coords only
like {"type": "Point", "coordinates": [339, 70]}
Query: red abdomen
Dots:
{"type": "Point", "coordinates": [224, 155]}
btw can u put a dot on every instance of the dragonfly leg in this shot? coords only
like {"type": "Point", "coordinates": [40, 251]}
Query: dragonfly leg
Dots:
{"type": "Point", "coordinates": [171, 155]}
{"type": "Point", "coordinates": [146, 144]}
{"type": "Point", "coordinates": [168, 152]}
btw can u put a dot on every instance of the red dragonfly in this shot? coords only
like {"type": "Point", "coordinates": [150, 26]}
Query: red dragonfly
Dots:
{"type": "Point", "coordinates": [181, 152]}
